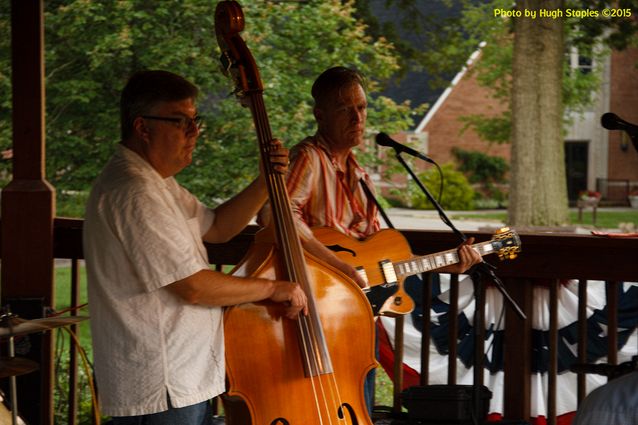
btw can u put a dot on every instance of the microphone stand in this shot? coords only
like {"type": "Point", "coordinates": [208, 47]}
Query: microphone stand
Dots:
{"type": "Point", "coordinates": [478, 273]}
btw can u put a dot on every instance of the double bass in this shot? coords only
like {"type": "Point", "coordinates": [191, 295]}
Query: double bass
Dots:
{"type": "Point", "coordinates": [290, 372]}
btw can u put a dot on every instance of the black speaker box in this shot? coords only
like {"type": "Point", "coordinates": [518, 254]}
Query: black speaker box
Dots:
{"type": "Point", "coordinates": [444, 404]}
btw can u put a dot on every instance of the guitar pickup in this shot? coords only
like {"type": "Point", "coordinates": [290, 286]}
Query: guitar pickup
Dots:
{"type": "Point", "coordinates": [387, 269]}
{"type": "Point", "coordinates": [363, 275]}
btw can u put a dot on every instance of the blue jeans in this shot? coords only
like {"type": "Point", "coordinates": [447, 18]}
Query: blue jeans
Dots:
{"type": "Point", "coordinates": [197, 414]}
{"type": "Point", "coordinates": [368, 390]}
{"type": "Point", "coordinates": [369, 384]}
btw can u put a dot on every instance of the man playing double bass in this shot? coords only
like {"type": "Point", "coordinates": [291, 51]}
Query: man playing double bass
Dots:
{"type": "Point", "coordinates": [156, 306]}
{"type": "Point", "coordinates": [323, 181]}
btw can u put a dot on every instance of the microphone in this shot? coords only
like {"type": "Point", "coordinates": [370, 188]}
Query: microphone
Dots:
{"type": "Point", "coordinates": [383, 139]}
{"type": "Point", "coordinates": [611, 121]}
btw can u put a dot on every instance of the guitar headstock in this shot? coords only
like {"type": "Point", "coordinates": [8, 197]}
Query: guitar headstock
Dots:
{"type": "Point", "coordinates": [507, 243]}
{"type": "Point", "coordinates": [236, 60]}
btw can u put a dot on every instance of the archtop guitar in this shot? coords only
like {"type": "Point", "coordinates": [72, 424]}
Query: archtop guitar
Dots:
{"type": "Point", "coordinates": [385, 276]}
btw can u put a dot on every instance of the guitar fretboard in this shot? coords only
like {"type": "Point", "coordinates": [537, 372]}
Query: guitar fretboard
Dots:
{"type": "Point", "coordinates": [427, 263]}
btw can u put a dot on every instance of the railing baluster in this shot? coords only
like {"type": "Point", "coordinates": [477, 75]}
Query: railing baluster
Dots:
{"type": "Point", "coordinates": [517, 355]}
{"type": "Point", "coordinates": [215, 402]}
{"type": "Point", "coordinates": [612, 322]}
{"type": "Point", "coordinates": [426, 298]}
{"type": "Point", "coordinates": [73, 354]}
{"type": "Point", "coordinates": [554, 288]}
{"type": "Point", "coordinates": [453, 331]}
{"type": "Point", "coordinates": [582, 337]}
{"type": "Point", "coordinates": [398, 365]}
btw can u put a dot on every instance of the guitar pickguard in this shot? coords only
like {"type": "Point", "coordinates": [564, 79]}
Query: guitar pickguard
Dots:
{"type": "Point", "coordinates": [377, 295]}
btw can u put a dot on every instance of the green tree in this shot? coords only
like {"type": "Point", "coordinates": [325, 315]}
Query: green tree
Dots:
{"type": "Point", "coordinates": [5, 90]}
{"type": "Point", "coordinates": [538, 192]}
{"type": "Point", "coordinates": [522, 61]}
{"type": "Point", "coordinates": [93, 47]}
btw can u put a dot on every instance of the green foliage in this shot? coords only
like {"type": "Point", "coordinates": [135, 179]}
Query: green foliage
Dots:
{"type": "Point", "coordinates": [485, 171]}
{"type": "Point", "coordinates": [61, 395]}
{"type": "Point", "coordinates": [494, 68]}
{"type": "Point", "coordinates": [93, 47]}
{"type": "Point", "coordinates": [480, 167]}
{"type": "Point", "coordinates": [63, 301]}
{"type": "Point", "coordinates": [70, 203]}
{"type": "Point", "coordinates": [495, 129]}
{"type": "Point", "coordinates": [5, 89]}
{"type": "Point", "coordinates": [449, 42]}
{"type": "Point", "coordinates": [457, 191]}
{"type": "Point", "coordinates": [433, 31]}
{"type": "Point", "coordinates": [617, 33]}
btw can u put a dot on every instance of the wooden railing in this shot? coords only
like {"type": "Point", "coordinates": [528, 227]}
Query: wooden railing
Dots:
{"type": "Point", "coordinates": [545, 258]}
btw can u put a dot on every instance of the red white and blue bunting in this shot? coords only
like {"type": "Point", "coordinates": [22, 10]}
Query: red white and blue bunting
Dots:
{"type": "Point", "coordinates": [493, 373]}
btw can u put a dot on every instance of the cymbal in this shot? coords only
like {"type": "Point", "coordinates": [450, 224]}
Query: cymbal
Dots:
{"type": "Point", "coordinates": [14, 366]}
{"type": "Point", "coordinates": [13, 326]}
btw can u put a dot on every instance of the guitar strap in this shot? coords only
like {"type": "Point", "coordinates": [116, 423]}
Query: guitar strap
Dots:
{"type": "Point", "coordinates": [371, 198]}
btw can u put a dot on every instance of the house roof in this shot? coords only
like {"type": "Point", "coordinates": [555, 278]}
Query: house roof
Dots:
{"type": "Point", "coordinates": [414, 86]}
{"type": "Point", "coordinates": [434, 108]}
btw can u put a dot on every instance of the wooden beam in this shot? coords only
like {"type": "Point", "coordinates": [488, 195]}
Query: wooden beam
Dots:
{"type": "Point", "coordinates": [28, 204]}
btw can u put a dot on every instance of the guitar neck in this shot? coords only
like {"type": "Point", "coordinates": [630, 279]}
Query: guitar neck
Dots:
{"type": "Point", "coordinates": [441, 259]}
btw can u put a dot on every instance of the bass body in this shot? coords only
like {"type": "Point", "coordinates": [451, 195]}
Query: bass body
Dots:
{"type": "Point", "coordinates": [286, 389]}
{"type": "Point", "coordinates": [306, 371]}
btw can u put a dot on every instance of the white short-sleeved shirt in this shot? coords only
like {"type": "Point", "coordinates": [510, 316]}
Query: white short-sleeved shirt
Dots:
{"type": "Point", "coordinates": [141, 233]}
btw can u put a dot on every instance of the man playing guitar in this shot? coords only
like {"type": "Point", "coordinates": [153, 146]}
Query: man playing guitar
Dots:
{"type": "Point", "coordinates": [324, 177]}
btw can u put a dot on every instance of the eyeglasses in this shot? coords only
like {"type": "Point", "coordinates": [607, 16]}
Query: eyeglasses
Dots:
{"type": "Point", "coordinates": [183, 123]}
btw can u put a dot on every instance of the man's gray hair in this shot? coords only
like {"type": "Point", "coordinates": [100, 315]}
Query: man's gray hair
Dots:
{"type": "Point", "coordinates": [145, 89]}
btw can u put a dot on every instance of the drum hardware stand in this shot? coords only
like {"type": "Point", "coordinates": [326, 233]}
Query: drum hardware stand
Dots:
{"type": "Point", "coordinates": [5, 318]}
{"type": "Point", "coordinates": [12, 325]}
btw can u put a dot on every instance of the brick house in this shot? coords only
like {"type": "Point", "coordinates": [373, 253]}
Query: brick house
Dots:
{"type": "Point", "coordinates": [596, 159]}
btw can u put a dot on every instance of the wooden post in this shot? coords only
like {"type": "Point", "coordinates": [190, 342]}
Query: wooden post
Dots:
{"type": "Point", "coordinates": [517, 352]}
{"type": "Point", "coordinates": [28, 204]}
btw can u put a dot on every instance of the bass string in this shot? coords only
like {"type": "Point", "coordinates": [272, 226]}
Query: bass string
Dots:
{"type": "Point", "coordinates": [326, 399]}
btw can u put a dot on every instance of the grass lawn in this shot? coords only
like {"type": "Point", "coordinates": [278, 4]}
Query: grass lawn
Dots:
{"type": "Point", "coordinates": [383, 392]}
{"type": "Point", "coordinates": [604, 219]}
{"type": "Point", "coordinates": [63, 300]}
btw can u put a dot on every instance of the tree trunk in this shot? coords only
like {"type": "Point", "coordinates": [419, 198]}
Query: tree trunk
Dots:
{"type": "Point", "coordinates": [538, 190]}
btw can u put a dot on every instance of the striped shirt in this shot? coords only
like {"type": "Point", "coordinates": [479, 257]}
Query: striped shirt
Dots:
{"type": "Point", "coordinates": [322, 194]}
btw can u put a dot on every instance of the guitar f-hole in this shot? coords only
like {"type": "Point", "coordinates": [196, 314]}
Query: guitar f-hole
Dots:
{"type": "Point", "coordinates": [339, 248]}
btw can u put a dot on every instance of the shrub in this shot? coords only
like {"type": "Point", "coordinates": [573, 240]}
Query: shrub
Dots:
{"type": "Point", "coordinates": [487, 171]}
{"type": "Point", "coordinates": [480, 167]}
{"type": "Point", "coordinates": [71, 203]}
{"type": "Point", "coordinates": [457, 191]}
